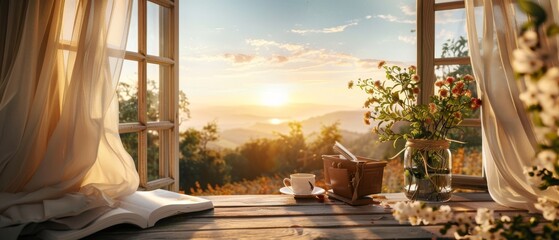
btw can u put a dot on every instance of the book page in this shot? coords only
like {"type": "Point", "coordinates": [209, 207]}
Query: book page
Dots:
{"type": "Point", "coordinates": [158, 204]}
{"type": "Point", "coordinates": [111, 218]}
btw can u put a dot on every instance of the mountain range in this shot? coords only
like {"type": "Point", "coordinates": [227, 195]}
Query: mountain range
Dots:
{"type": "Point", "coordinates": [239, 124]}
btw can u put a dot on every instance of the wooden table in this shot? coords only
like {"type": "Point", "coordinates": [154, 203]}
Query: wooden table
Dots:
{"type": "Point", "coordinates": [282, 216]}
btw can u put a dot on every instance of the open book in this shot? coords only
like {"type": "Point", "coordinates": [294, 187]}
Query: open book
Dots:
{"type": "Point", "coordinates": [142, 208]}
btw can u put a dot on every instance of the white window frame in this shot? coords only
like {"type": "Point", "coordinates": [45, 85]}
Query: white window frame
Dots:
{"type": "Point", "coordinates": [167, 125]}
{"type": "Point", "coordinates": [426, 62]}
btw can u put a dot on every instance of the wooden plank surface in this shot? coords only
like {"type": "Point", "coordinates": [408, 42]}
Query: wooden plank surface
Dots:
{"type": "Point", "coordinates": [281, 216]}
{"type": "Point", "coordinates": [400, 232]}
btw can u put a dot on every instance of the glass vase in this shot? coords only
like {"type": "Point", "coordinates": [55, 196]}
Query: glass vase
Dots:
{"type": "Point", "coordinates": [428, 170]}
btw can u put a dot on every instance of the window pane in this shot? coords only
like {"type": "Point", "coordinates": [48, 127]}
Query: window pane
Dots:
{"type": "Point", "coordinates": [466, 158]}
{"type": "Point", "coordinates": [127, 91]}
{"type": "Point", "coordinates": [254, 66]}
{"type": "Point", "coordinates": [153, 90]}
{"type": "Point", "coordinates": [446, 1]}
{"type": "Point", "coordinates": [458, 71]}
{"type": "Point", "coordinates": [157, 30]}
{"type": "Point", "coordinates": [132, 42]}
{"type": "Point", "coordinates": [450, 34]}
{"type": "Point", "coordinates": [130, 142]}
{"type": "Point", "coordinates": [443, 71]}
{"type": "Point", "coordinates": [153, 155]}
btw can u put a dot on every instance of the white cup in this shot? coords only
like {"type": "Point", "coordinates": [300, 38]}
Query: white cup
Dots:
{"type": "Point", "coordinates": [300, 183]}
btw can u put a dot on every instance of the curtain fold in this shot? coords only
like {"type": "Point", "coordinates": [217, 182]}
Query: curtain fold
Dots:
{"type": "Point", "coordinates": [509, 142]}
{"type": "Point", "coordinates": [60, 151]}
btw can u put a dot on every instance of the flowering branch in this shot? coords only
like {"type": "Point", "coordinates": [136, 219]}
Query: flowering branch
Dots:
{"type": "Point", "coordinates": [395, 100]}
{"type": "Point", "coordinates": [541, 97]}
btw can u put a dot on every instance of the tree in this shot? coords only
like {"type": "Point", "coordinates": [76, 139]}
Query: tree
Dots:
{"type": "Point", "coordinates": [329, 135]}
{"type": "Point", "coordinates": [260, 155]}
{"type": "Point", "coordinates": [197, 162]}
{"type": "Point", "coordinates": [128, 112]}
{"type": "Point", "coordinates": [454, 48]}
{"type": "Point", "coordinates": [291, 147]}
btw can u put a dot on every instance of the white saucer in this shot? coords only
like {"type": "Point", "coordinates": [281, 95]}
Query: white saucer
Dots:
{"type": "Point", "coordinates": [315, 192]}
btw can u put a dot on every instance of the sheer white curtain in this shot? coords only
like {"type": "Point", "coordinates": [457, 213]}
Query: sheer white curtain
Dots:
{"type": "Point", "coordinates": [60, 152]}
{"type": "Point", "coordinates": [509, 142]}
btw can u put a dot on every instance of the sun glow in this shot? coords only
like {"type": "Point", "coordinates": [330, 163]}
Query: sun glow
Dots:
{"type": "Point", "coordinates": [275, 121]}
{"type": "Point", "coordinates": [274, 96]}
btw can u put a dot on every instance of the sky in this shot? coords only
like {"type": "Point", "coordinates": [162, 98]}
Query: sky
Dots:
{"type": "Point", "coordinates": [281, 52]}
{"type": "Point", "coordinates": [269, 52]}
{"type": "Point", "coordinates": [274, 52]}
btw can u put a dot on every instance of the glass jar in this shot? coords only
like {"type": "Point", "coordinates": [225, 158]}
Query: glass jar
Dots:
{"type": "Point", "coordinates": [428, 170]}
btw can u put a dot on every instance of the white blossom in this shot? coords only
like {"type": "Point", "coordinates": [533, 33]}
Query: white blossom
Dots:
{"type": "Point", "coordinates": [416, 213]}
{"type": "Point", "coordinates": [530, 96]}
{"type": "Point", "coordinates": [547, 118]}
{"type": "Point", "coordinates": [533, 180]}
{"type": "Point", "coordinates": [444, 214]}
{"type": "Point", "coordinates": [549, 83]}
{"type": "Point", "coordinates": [401, 212]}
{"type": "Point", "coordinates": [528, 40]}
{"type": "Point", "coordinates": [541, 133]}
{"type": "Point", "coordinates": [547, 159]}
{"type": "Point", "coordinates": [526, 61]}
{"type": "Point", "coordinates": [548, 208]}
{"type": "Point", "coordinates": [484, 216]}
{"type": "Point", "coordinates": [414, 220]}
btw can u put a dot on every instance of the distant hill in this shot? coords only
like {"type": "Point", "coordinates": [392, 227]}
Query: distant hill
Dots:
{"type": "Point", "coordinates": [245, 116]}
{"type": "Point", "coordinates": [351, 126]}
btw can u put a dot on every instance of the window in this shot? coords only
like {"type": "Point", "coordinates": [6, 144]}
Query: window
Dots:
{"type": "Point", "coordinates": [440, 56]}
{"type": "Point", "coordinates": [148, 93]}
{"type": "Point", "coordinates": [253, 67]}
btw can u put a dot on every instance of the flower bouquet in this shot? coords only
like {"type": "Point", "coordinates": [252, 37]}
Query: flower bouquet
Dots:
{"type": "Point", "coordinates": [427, 159]}
{"type": "Point", "coordinates": [535, 64]}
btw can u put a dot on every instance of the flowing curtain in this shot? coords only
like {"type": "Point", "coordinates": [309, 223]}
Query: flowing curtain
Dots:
{"type": "Point", "coordinates": [60, 151]}
{"type": "Point", "coordinates": [509, 142]}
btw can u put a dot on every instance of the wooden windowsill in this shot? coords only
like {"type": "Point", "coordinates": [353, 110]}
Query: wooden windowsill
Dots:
{"type": "Point", "coordinates": [282, 216]}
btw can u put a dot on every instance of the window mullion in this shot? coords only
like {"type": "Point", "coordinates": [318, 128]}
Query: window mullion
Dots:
{"type": "Point", "coordinates": [426, 47]}
{"type": "Point", "coordinates": [165, 93]}
{"type": "Point", "coordinates": [452, 61]}
{"type": "Point", "coordinates": [142, 93]}
{"type": "Point", "coordinates": [174, 156]}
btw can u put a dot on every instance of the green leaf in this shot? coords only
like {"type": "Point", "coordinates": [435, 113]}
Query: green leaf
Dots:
{"type": "Point", "coordinates": [534, 10]}
{"type": "Point", "coordinates": [552, 30]}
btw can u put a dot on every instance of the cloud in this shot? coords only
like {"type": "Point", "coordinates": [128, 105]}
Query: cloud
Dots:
{"type": "Point", "coordinates": [368, 17]}
{"type": "Point", "coordinates": [445, 34]}
{"type": "Point", "coordinates": [408, 39]}
{"type": "Point", "coordinates": [368, 63]}
{"type": "Point", "coordinates": [408, 10]}
{"type": "Point", "coordinates": [280, 59]}
{"type": "Point", "coordinates": [271, 56]}
{"type": "Point", "coordinates": [239, 57]}
{"type": "Point", "coordinates": [392, 18]}
{"type": "Point", "coordinates": [446, 17]}
{"type": "Point", "coordinates": [259, 43]}
{"type": "Point", "coordinates": [335, 29]}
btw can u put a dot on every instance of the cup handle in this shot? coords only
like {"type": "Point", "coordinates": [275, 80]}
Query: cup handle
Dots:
{"type": "Point", "coordinates": [285, 180]}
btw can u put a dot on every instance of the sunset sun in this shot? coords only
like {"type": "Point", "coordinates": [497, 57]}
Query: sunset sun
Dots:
{"type": "Point", "coordinates": [274, 96]}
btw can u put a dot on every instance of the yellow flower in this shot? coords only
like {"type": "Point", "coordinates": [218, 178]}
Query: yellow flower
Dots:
{"type": "Point", "coordinates": [432, 108]}
{"type": "Point", "coordinates": [443, 93]}
{"type": "Point", "coordinates": [468, 78]}
{"type": "Point", "coordinates": [415, 77]}
{"type": "Point", "coordinates": [381, 63]}
{"type": "Point", "coordinates": [350, 84]}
